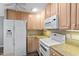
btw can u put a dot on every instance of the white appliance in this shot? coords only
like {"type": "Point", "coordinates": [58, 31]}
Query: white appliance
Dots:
{"type": "Point", "coordinates": [51, 22]}
{"type": "Point", "coordinates": [46, 43]}
{"type": "Point", "coordinates": [14, 37]}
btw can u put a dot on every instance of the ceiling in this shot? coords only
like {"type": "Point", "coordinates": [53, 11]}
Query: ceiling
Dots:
{"type": "Point", "coordinates": [26, 6]}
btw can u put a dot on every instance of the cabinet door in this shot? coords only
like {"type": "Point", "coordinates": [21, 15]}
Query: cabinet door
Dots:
{"type": "Point", "coordinates": [48, 10]}
{"type": "Point", "coordinates": [42, 19]}
{"type": "Point", "coordinates": [35, 21]}
{"type": "Point", "coordinates": [24, 16]}
{"type": "Point", "coordinates": [30, 46]}
{"type": "Point", "coordinates": [73, 16]}
{"type": "Point", "coordinates": [64, 13]}
{"type": "Point", "coordinates": [54, 9]}
{"type": "Point", "coordinates": [33, 44]}
{"type": "Point", "coordinates": [77, 26]}
{"type": "Point", "coordinates": [10, 14]}
{"type": "Point", "coordinates": [18, 15]}
{"type": "Point", "coordinates": [68, 16]}
{"type": "Point", "coordinates": [31, 22]}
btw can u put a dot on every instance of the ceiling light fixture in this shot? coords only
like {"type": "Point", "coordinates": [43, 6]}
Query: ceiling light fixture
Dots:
{"type": "Point", "coordinates": [34, 10]}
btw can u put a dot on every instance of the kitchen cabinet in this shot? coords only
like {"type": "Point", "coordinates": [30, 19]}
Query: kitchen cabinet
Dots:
{"type": "Point", "coordinates": [73, 15]}
{"type": "Point", "coordinates": [48, 11]}
{"type": "Point", "coordinates": [77, 23]}
{"type": "Point", "coordinates": [30, 22]}
{"type": "Point", "coordinates": [42, 19]}
{"type": "Point", "coordinates": [36, 21]}
{"type": "Point", "coordinates": [33, 44]}
{"type": "Point", "coordinates": [16, 15]}
{"type": "Point", "coordinates": [33, 22]}
{"type": "Point", "coordinates": [10, 14]}
{"type": "Point", "coordinates": [53, 52]}
{"type": "Point", "coordinates": [68, 16]}
{"type": "Point", "coordinates": [24, 15]}
{"type": "Point", "coordinates": [54, 9]}
{"type": "Point", "coordinates": [62, 10]}
{"type": "Point", "coordinates": [64, 16]}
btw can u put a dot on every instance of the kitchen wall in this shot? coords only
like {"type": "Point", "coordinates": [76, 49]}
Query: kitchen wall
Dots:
{"type": "Point", "coordinates": [1, 23]}
{"type": "Point", "coordinates": [35, 32]}
{"type": "Point", "coordinates": [49, 32]}
{"type": "Point", "coordinates": [1, 30]}
{"type": "Point", "coordinates": [1, 9]}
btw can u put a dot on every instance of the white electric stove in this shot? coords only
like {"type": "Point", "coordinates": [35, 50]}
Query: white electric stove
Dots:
{"type": "Point", "coordinates": [46, 43]}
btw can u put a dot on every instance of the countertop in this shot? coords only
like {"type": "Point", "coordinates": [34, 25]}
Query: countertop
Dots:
{"type": "Point", "coordinates": [67, 49]}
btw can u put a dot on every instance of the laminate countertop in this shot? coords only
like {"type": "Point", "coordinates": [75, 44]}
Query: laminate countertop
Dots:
{"type": "Point", "coordinates": [67, 49]}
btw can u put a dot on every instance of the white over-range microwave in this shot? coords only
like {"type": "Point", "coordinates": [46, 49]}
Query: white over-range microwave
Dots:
{"type": "Point", "coordinates": [51, 22]}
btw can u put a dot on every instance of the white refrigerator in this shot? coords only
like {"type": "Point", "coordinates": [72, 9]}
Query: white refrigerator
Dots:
{"type": "Point", "coordinates": [14, 38]}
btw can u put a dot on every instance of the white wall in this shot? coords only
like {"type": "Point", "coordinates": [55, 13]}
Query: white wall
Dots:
{"type": "Point", "coordinates": [1, 31]}
{"type": "Point", "coordinates": [1, 9]}
{"type": "Point", "coordinates": [1, 22]}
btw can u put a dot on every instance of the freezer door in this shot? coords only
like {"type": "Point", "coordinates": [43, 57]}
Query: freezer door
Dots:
{"type": "Point", "coordinates": [20, 38]}
{"type": "Point", "coordinates": [8, 37]}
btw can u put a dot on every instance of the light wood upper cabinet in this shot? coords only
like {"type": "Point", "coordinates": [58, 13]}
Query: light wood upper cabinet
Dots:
{"type": "Point", "coordinates": [10, 14]}
{"type": "Point", "coordinates": [54, 9]}
{"type": "Point", "coordinates": [31, 21]}
{"type": "Point", "coordinates": [68, 15]}
{"type": "Point", "coordinates": [16, 15]}
{"type": "Point", "coordinates": [48, 11]}
{"type": "Point", "coordinates": [77, 26]}
{"type": "Point", "coordinates": [36, 21]}
{"type": "Point", "coordinates": [24, 15]}
{"type": "Point", "coordinates": [62, 10]}
{"type": "Point", "coordinates": [64, 16]}
{"type": "Point", "coordinates": [73, 15]}
{"type": "Point", "coordinates": [42, 15]}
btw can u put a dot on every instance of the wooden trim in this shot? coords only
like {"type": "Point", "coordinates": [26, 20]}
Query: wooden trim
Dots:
{"type": "Point", "coordinates": [6, 13]}
{"type": "Point", "coordinates": [70, 16]}
{"type": "Point", "coordinates": [76, 17]}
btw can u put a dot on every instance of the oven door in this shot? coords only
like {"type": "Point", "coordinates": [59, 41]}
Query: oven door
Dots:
{"type": "Point", "coordinates": [44, 50]}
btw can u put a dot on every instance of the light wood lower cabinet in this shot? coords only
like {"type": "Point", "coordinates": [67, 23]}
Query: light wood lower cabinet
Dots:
{"type": "Point", "coordinates": [53, 52]}
{"type": "Point", "coordinates": [33, 44]}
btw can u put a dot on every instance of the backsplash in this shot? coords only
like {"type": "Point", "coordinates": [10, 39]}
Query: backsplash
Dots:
{"type": "Point", "coordinates": [72, 37]}
{"type": "Point", "coordinates": [48, 32]}
{"type": "Point", "coordinates": [35, 32]}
